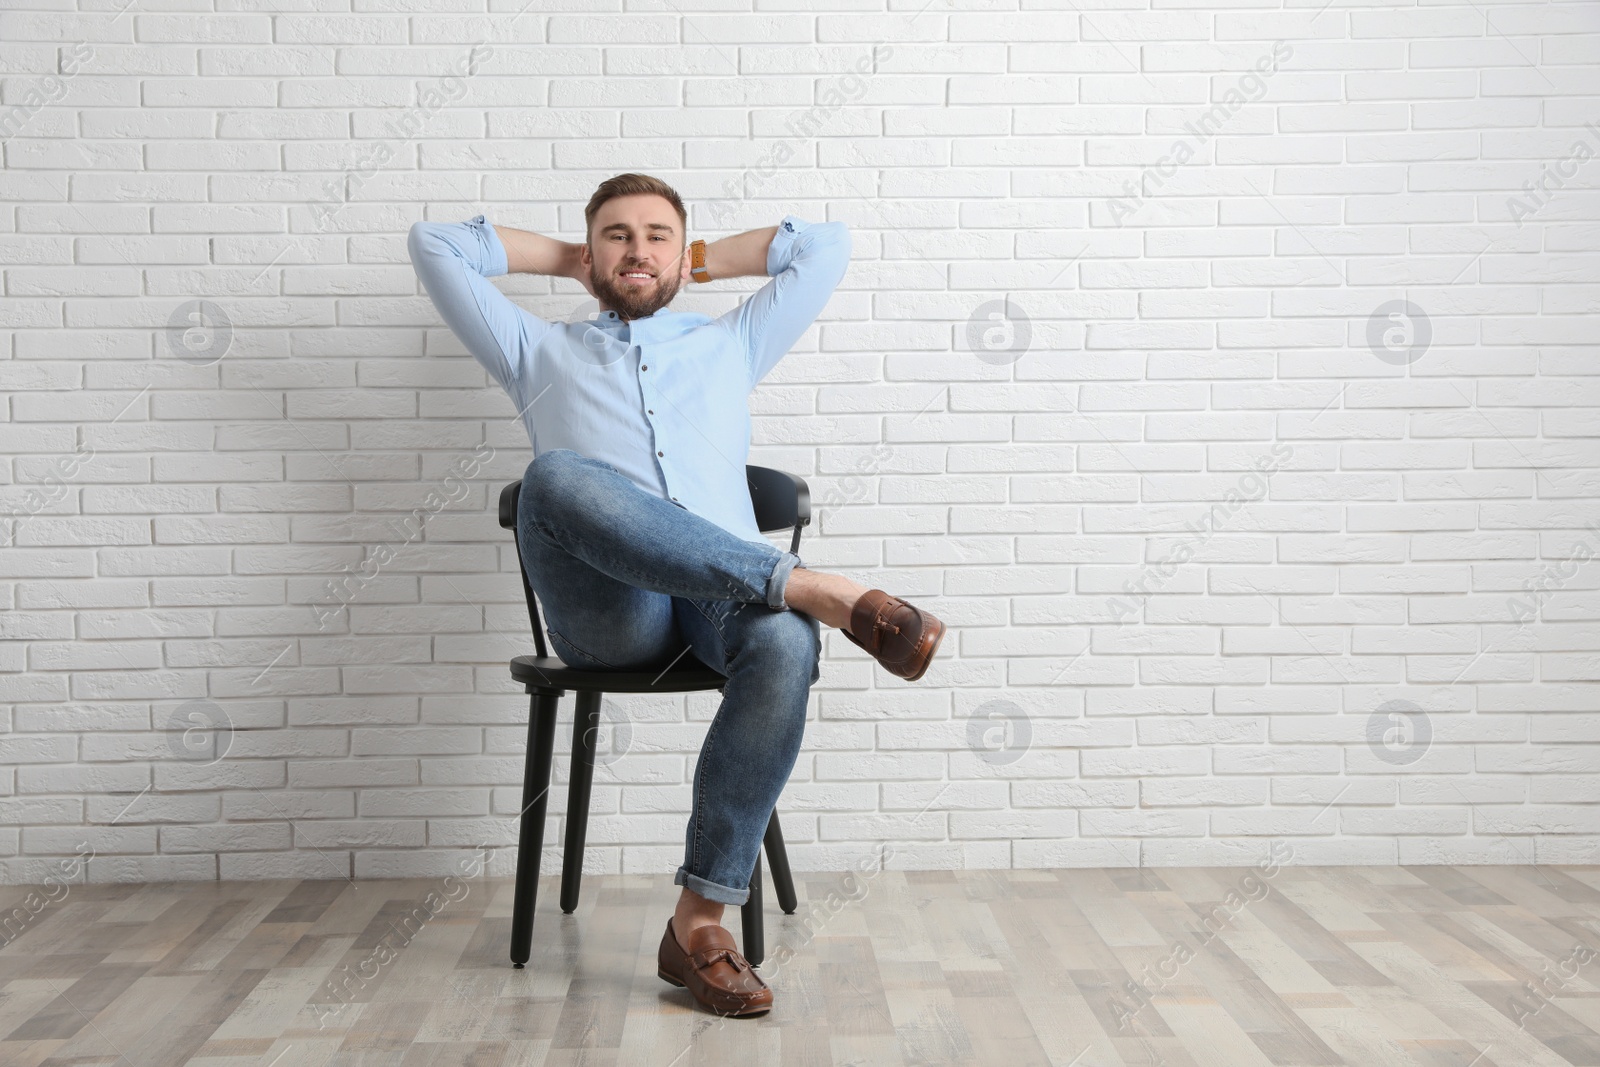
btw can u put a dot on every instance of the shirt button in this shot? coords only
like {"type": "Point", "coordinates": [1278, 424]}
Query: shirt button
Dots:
{"type": "Point", "coordinates": [660, 453]}
{"type": "Point", "coordinates": [650, 411]}
{"type": "Point", "coordinates": [645, 367]}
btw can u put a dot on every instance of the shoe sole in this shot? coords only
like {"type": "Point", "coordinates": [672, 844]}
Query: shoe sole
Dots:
{"type": "Point", "coordinates": [736, 1014]}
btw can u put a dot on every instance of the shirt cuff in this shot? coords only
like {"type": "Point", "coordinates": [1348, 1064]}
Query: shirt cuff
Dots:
{"type": "Point", "coordinates": [781, 251]}
{"type": "Point", "coordinates": [495, 262]}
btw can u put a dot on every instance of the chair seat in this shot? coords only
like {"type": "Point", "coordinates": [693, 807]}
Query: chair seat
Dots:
{"type": "Point", "coordinates": [686, 675]}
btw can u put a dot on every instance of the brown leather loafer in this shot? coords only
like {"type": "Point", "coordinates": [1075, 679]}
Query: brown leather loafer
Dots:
{"type": "Point", "coordinates": [900, 637]}
{"type": "Point", "coordinates": [713, 971]}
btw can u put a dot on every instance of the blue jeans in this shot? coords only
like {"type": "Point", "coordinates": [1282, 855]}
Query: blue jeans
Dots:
{"type": "Point", "coordinates": [625, 581]}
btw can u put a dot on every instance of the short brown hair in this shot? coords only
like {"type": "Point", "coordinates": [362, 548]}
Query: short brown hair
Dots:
{"type": "Point", "coordinates": [631, 185]}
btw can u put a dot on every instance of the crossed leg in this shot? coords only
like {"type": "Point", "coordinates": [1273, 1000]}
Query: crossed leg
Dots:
{"type": "Point", "coordinates": [586, 508]}
{"type": "Point", "coordinates": [627, 581]}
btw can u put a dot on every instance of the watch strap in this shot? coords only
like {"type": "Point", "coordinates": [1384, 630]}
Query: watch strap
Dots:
{"type": "Point", "coordinates": [697, 262]}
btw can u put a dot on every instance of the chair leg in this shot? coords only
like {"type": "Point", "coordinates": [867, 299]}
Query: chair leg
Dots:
{"type": "Point", "coordinates": [778, 857]}
{"type": "Point", "coordinates": [542, 710]}
{"type": "Point", "coordinates": [585, 726]}
{"type": "Point", "coordinates": [755, 940]}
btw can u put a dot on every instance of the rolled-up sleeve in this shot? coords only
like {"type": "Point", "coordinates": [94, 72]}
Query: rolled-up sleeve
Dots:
{"type": "Point", "coordinates": [805, 261]}
{"type": "Point", "coordinates": [455, 261]}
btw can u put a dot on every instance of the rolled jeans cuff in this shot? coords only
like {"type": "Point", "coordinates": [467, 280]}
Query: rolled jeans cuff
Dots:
{"type": "Point", "coordinates": [779, 582]}
{"type": "Point", "coordinates": [711, 890]}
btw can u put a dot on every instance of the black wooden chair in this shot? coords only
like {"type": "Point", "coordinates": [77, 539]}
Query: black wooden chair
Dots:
{"type": "Point", "coordinates": [781, 500]}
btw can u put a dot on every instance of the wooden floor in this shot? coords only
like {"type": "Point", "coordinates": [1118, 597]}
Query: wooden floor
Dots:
{"type": "Point", "coordinates": [1424, 966]}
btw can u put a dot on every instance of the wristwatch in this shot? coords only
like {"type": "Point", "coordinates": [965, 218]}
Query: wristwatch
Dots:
{"type": "Point", "coordinates": [697, 262]}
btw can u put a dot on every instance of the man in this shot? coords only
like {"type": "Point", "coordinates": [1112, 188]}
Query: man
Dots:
{"type": "Point", "coordinates": [636, 525]}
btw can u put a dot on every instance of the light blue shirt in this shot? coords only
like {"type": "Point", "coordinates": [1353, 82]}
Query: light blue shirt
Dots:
{"type": "Point", "coordinates": [662, 399]}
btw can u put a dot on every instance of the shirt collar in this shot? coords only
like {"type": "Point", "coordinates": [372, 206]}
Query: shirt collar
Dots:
{"type": "Point", "coordinates": [664, 325]}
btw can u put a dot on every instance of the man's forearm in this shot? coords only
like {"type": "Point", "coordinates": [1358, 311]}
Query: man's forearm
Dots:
{"type": "Point", "coordinates": [742, 255]}
{"type": "Point", "coordinates": [534, 253]}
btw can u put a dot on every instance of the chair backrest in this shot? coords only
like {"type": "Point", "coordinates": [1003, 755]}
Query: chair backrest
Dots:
{"type": "Point", "coordinates": [780, 500]}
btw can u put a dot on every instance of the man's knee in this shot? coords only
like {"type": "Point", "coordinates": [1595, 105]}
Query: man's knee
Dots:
{"type": "Point", "coordinates": [549, 475]}
{"type": "Point", "coordinates": [782, 640]}
{"type": "Point", "coordinates": [552, 461]}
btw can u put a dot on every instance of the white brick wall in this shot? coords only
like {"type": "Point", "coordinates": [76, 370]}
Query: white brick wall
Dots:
{"type": "Point", "coordinates": [1107, 387]}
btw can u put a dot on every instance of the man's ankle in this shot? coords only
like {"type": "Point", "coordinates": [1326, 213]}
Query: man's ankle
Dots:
{"type": "Point", "coordinates": [846, 594]}
{"type": "Point", "coordinates": [828, 597]}
{"type": "Point", "coordinates": [693, 910]}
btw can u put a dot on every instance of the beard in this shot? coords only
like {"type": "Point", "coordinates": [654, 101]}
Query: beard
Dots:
{"type": "Point", "coordinates": [631, 301]}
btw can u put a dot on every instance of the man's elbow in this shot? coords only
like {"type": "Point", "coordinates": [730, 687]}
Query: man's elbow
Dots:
{"type": "Point", "coordinates": [840, 233]}
{"type": "Point", "coordinates": [827, 249]}
{"type": "Point", "coordinates": [420, 241]}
